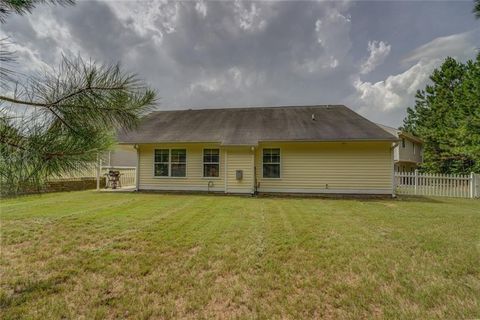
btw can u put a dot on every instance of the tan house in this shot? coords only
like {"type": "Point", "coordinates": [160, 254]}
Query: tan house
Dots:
{"type": "Point", "coordinates": [123, 155]}
{"type": "Point", "coordinates": [409, 151]}
{"type": "Point", "coordinates": [308, 149]}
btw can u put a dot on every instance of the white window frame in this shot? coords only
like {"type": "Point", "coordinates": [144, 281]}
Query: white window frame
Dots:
{"type": "Point", "coordinates": [170, 163]}
{"type": "Point", "coordinates": [279, 164]}
{"type": "Point", "coordinates": [204, 163]}
{"type": "Point", "coordinates": [160, 162]}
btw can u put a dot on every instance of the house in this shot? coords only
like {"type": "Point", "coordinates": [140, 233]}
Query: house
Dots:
{"type": "Point", "coordinates": [408, 153]}
{"type": "Point", "coordinates": [121, 156]}
{"type": "Point", "coordinates": [300, 149]}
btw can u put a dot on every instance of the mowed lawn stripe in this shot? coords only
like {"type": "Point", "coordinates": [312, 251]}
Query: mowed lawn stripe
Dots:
{"type": "Point", "coordinates": [138, 255]}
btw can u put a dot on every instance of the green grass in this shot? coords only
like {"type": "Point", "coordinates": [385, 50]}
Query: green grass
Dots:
{"type": "Point", "coordinates": [109, 255]}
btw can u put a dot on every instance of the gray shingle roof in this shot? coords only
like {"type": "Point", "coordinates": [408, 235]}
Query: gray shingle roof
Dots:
{"type": "Point", "coordinates": [399, 133]}
{"type": "Point", "coordinates": [248, 126]}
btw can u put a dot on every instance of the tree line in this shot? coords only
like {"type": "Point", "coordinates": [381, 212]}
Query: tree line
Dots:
{"type": "Point", "coordinates": [446, 116]}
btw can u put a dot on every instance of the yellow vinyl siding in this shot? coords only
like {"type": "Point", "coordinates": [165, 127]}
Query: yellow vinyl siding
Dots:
{"type": "Point", "coordinates": [240, 158]}
{"type": "Point", "coordinates": [328, 167]}
{"type": "Point", "coordinates": [305, 167]}
{"type": "Point", "coordinates": [194, 180]}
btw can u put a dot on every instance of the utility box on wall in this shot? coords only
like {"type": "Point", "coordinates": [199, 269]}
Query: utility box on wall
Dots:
{"type": "Point", "coordinates": [239, 174]}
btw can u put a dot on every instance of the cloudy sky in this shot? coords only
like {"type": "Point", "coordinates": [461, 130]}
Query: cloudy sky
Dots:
{"type": "Point", "coordinates": [369, 55]}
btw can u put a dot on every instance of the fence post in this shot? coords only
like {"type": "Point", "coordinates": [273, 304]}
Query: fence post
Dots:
{"type": "Point", "coordinates": [99, 164]}
{"type": "Point", "coordinates": [472, 182]}
{"type": "Point", "coordinates": [416, 180]}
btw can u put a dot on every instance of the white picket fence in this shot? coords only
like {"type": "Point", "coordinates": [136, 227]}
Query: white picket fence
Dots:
{"type": "Point", "coordinates": [441, 185]}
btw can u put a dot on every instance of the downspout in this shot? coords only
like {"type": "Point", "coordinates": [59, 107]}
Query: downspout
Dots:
{"type": "Point", "coordinates": [254, 191]}
{"type": "Point", "coordinates": [226, 172]}
{"type": "Point", "coordinates": [392, 152]}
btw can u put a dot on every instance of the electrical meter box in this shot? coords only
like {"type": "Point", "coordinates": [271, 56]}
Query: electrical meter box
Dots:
{"type": "Point", "coordinates": [239, 174]}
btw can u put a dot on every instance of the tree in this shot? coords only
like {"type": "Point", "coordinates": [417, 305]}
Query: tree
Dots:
{"type": "Point", "coordinates": [61, 120]}
{"type": "Point", "coordinates": [446, 116]}
{"type": "Point", "coordinates": [476, 9]}
{"type": "Point", "coordinates": [7, 7]}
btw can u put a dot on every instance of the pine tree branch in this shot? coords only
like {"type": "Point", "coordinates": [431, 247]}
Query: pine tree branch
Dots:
{"type": "Point", "coordinates": [52, 104]}
{"type": "Point", "coordinates": [62, 120]}
{"type": "Point", "coordinates": [11, 144]}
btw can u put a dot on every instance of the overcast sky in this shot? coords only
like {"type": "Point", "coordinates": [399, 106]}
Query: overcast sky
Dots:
{"type": "Point", "coordinates": [371, 56]}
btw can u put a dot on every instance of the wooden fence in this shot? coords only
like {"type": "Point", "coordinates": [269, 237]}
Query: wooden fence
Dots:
{"type": "Point", "coordinates": [442, 185]}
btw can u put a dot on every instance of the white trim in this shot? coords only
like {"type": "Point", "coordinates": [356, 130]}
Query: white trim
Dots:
{"type": "Point", "coordinates": [279, 163]}
{"type": "Point", "coordinates": [392, 152]}
{"type": "Point", "coordinates": [329, 191]}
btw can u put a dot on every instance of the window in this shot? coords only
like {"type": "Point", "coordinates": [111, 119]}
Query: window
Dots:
{"type": "Point", "coordinates": [170, 163]}
{"type": "Point", "coordinates": [161, 162]}
{"type": "Point", "coordinates": [211, 162]}
{"type": "Point", "coordinates": [179, 163]}
{"type": "Point", "coordinates": [403, 142]}
{"type": "Point", "coordinates": [414, 151]}
{"type": "Point", "coordinates": [271, 163]}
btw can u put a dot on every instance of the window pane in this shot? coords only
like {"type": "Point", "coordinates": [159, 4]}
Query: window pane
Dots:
{"type": "Point", "coordinates": [266, 158]}
{"type": "Point", "coordinates": [271, 155]}
{"type": "Point", "coordinates": [211, 155]}
{"type": "Point", "coordinates": [161, 170]}
{"type": "Point", "coordinates": [271, 171]}
{"type": "Point", "coordinates": [179, 170]}
{"type": "Point", "coordinates": [211, 170]}
{"type": "Point", "coordinates": [161, 155]}
{"type": "Point", "coordinates": [179, 155]}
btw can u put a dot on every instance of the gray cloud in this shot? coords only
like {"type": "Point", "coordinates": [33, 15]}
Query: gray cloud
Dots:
{"type": "Point", "coordinates": [217, 54]}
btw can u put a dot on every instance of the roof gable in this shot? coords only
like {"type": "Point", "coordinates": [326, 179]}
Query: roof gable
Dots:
{"type": "Point", "coordinates": [400, 134]}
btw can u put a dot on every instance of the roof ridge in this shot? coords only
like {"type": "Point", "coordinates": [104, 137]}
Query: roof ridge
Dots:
{"type": "Point", "coordinates": [254, 107]}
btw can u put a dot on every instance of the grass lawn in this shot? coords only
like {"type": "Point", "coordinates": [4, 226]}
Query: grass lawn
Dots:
{"type": "Point", "coordinates": [109, 255]}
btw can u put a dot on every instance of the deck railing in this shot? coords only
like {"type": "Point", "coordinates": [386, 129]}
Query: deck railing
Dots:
{"type": "Point", "coordinates": [127, 174]}
{"type": "Point", "coordinates": [442, 185]}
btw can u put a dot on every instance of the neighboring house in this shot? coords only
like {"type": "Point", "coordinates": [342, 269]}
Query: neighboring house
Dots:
{"type": "Point", "coordinates": [121, 156]}
{"type": "Point", "coordinates": [311, 149]}
{"type": "Point", "coordinates": [408, 153]}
